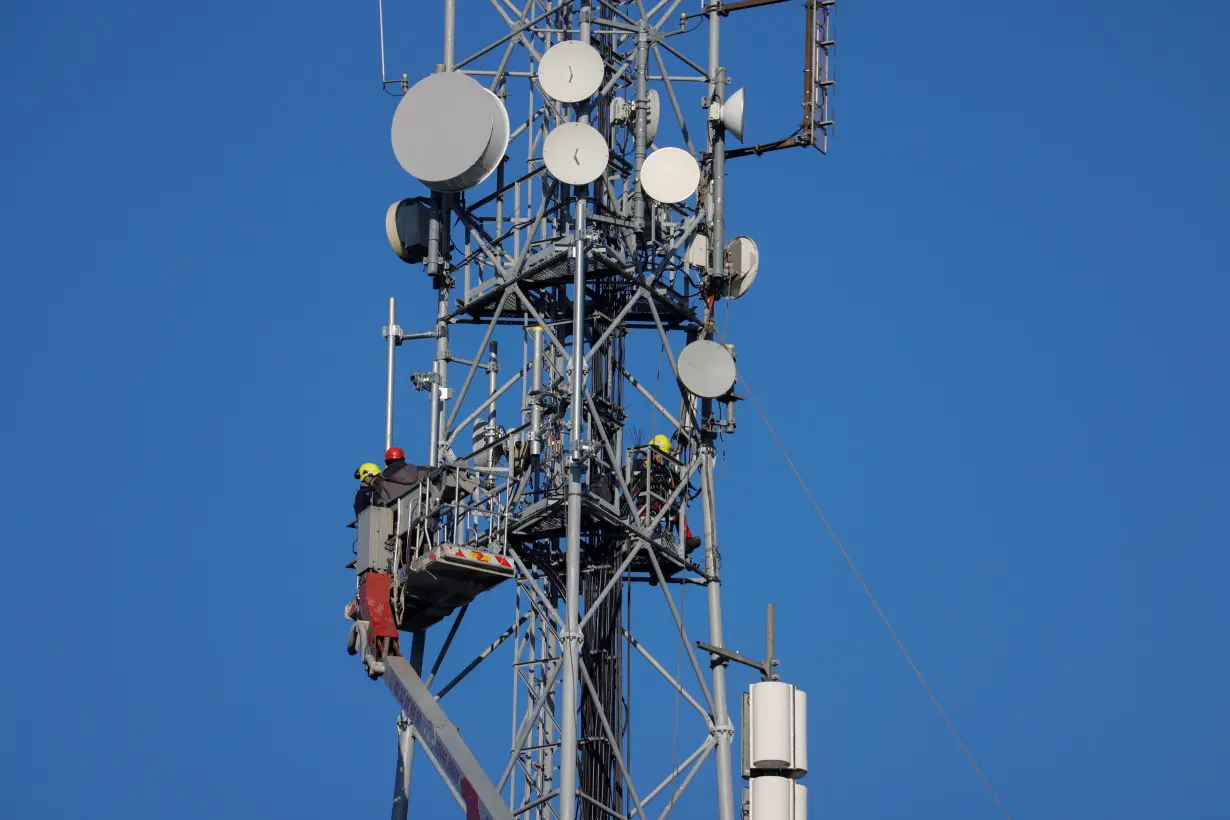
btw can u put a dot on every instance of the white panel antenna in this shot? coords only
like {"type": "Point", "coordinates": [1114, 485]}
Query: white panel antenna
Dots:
{"type": "Point", "coordinates": [698, 251]}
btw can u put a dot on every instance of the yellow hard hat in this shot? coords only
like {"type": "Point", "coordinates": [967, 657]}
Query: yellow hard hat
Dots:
{"type": "Point", "coordinates": [661, 442]}
{"type": "Point", "coordinates": [366, 470]}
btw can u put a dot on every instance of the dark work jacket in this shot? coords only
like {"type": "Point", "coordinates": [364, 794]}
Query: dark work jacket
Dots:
{"type": "Point", "coordinates": [396, 480]}
{"type": "Point", "coordinates": [363, 498]}
{"type": "Point", "coordinates": [662, 479]}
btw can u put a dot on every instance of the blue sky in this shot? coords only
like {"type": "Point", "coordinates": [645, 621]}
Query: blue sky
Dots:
{"type": "Point", "coordinates": [990, 327]}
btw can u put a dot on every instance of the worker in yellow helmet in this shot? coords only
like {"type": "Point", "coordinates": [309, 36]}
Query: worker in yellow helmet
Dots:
{"type": "Point", "coordinates": [366, 476]}
{"type": "Point", "coordinates": [654, 480]}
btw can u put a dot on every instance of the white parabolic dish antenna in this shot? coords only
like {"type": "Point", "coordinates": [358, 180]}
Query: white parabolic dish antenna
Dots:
{"type": "Point", "coordinates": [706, 369]}
{"type": "Point", "coordinates": [670, 175]}
{"type": "Point", "coordinates": [575, 153]}
{"type": "Point", "coordinates": [571, 71]}
{"type": "Point", "coordinates": [742, 262]}
{"type": "Point", "coordinates": [449, 132]}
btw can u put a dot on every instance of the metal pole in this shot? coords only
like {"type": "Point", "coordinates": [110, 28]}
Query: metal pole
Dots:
{"type": "Point", "coordinates": [405, 733]}
{"type": "Point", "coordinates": [536, 342]}
{"type": "Point", "coordinates": [723, 729]}
{"type": "Point", "coordinates": [641, 133]}
{"type": "Point", "coordinates": [770, 661]}
{"type": "Point", "coordinates": [393, 333]}
{"type": "Point", "coordinates": [717, 215]}
{"type": "Point", "coordinates": [572, 559]}
{"type": "Point", "coordinates": [433, 270]}
{"type": "Point", "coordinates": [493, 367]}
{"type": "Point", "coordinates": [405, 760]}
{"type": "Point", "coordinates": [450, 34]}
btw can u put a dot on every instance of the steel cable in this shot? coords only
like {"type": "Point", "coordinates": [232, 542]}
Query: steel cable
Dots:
{"type": "Point", "coordinates": [879, 611]}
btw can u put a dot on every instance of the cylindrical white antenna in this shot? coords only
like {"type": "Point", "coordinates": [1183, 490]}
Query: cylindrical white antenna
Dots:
{"type": "Point", "coordinates": [391, 333]}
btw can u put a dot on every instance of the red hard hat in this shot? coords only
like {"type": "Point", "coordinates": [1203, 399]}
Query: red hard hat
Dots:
{"type": "Point", "coordinates": [393, 453]}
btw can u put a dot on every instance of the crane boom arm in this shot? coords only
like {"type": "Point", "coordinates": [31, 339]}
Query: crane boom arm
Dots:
{"type": "Point", "coordinates": [481, 797]}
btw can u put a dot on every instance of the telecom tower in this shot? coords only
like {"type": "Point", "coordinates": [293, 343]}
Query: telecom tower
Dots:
{"type": "Point", "coordinates": [537, 480]}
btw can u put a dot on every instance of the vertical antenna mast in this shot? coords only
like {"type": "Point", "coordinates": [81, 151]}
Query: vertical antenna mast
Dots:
{"type": "Point", "coordinates": [569, 212]}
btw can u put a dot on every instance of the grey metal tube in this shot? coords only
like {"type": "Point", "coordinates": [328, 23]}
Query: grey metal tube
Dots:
{"type": "Point", "coordinates": [723, 731]}
{"type": "Point", "coordinates": [388, 377]}
{"type": "Point", "coordinates": [493, 367]}
{"type": "Point", "coordinates": [536, 342]}
{"type": "Point", "coordinates": [723, 728]}
{"type": "Point", "coordinates": [442, 368]}
{"type": "Point", "coordinates": [450, 34]}
{"type": "Point", "coordinates": [433, 270]}
{"type": "Point", "coordinates": [717, 217]}
{"type": "Point", "coordinates": [642, 113]}
{"type": "Point", "coordinates": [405, 756]}
{"type": "Point", "coordinates": [572, 555]}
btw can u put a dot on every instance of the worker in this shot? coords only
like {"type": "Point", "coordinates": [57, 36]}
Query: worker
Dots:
{"type": "Point", "coordinates": [366, 476]}
{"type": "Point", "coordinates": [398, 476]}
{"type": "Point", "coordinates": [662, 480]}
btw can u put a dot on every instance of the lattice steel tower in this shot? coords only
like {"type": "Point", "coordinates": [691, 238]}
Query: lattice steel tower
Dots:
{"type": "Point", "coordinates": [575, 197]}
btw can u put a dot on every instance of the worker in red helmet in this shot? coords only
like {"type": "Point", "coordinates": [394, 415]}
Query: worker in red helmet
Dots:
{"type": "Point", "coordinates": [398, 476]}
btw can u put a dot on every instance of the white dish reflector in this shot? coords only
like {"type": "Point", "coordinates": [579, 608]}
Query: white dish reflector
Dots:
{"type": "Point", "coordinates": [670, 175]}
{"type": "Point", "coordinates": [449, 132]}
{"type": "Point", "coordinates": [706, 369]}
{"type": "Point", "coordinates": [575, 153]}
{"type": "Point", "coordinates": [571, 71]}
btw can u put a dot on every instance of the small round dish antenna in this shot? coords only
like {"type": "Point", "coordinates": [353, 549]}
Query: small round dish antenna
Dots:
{"type": "Point", "coordinates": [575, 153]}
{"type": "Point", "coordinates": [706, 369]}
{"type": "Point", "coordinates": [698, 252]}
{"type": "Point", "coordinates": [742, 262]}
{"type": "Point", "coordinates": [449, 132]}
{"type": "Point", "coordinates": [670, 175]}
{"type": "Point", "coordinates": [571, 71]}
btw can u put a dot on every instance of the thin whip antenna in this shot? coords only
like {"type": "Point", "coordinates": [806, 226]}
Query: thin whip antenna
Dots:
{"type": "Point", "coordinates": [383, 76]}
{"type": "Point", "coordinates": [918, 673]}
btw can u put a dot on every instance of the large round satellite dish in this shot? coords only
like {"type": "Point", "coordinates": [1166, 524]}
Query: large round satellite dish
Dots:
{"type": "Point", "coordinates": [575, 153]}
{"type": "Point", "coordinates": [571, 71]}
{"type": "Point", "coordinates": [670, 175]}
{"type": "Point", "coordinates": [449, 132]}
{"type": "Point", "coordinates": [623, 112]}
{"type": "Point", "coordinates": [706, 369]}
{"type": "Point", "coordinates": [742, 262]}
